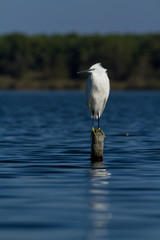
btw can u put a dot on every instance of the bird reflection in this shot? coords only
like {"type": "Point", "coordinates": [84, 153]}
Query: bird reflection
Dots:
{"type": "Point", "coordinates": [98, 202]}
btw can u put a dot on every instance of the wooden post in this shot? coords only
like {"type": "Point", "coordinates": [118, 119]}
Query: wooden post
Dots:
{"type": "Point", "coordinates": [97, 143]}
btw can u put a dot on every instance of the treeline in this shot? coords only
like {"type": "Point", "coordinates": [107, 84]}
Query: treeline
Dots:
{"type": "Point", "coordinates": [133, 61]}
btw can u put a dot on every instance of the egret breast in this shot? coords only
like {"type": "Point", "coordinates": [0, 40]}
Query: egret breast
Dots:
{"type": "Point", "coordinates": [98, 96]}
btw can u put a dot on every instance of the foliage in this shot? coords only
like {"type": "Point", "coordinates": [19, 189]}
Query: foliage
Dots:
{"type": "Point", "coordinates": [131, 60]}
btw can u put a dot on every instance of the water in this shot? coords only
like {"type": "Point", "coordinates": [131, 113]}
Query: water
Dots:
{"type": "Point", "coordinates": [48, 187]}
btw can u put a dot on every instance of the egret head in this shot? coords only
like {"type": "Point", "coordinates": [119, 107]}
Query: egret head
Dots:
{"type": "Point", "coordinates": [95, 68]}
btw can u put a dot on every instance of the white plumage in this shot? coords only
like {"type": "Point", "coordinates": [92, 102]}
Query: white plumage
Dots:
{"type": "Point", "coordinates": [97, 91]}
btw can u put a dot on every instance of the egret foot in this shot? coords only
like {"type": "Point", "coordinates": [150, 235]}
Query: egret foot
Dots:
{"type": "Point", "coordinates": [99, 130]}
{"type": "Point", "coordinates": [93, 131]}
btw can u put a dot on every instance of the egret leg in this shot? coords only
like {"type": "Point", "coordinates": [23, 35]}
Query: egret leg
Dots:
{"type": "Point", "coordinates": [99, 130]}
{"type": "Point", "coordinates": [92, 123]}
{"type": "Point", "coordinates": [93, 130]}
{"type": "Point", "coordinates": [98, 122]}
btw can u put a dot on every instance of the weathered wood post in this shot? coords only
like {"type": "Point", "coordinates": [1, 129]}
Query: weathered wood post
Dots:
{"type": "Point", "coordinates": [97, 143]}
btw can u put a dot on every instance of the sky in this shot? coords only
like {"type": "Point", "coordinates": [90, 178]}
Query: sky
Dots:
{"type": "Point", "coordinates": [79, 16]}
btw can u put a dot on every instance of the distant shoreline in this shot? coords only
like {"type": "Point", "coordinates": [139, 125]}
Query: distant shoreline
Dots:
{"type": "Point", "coordinates": [52, 62]}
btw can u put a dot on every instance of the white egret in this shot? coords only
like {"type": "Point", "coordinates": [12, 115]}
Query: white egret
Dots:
{"type": "Point", "coordinates": [97, 91]}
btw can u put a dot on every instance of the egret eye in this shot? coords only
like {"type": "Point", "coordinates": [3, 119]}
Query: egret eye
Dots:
{"type": "Point", "coordinates": [92, 69]}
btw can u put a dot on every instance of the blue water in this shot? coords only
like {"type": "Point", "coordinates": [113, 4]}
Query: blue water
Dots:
{"type": "Point", "coordinates": [48, 187]}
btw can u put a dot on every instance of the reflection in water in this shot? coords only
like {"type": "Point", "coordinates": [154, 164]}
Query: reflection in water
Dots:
{"type": "Point", "coordinates": [98, 202]}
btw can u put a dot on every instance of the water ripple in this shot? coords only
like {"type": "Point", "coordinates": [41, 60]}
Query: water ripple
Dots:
{"type": "Point", "coordinates": [48, 187]}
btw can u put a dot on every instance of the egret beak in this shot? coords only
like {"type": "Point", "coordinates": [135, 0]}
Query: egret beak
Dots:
{"type": "Point", "coordinates": [84, 71]}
